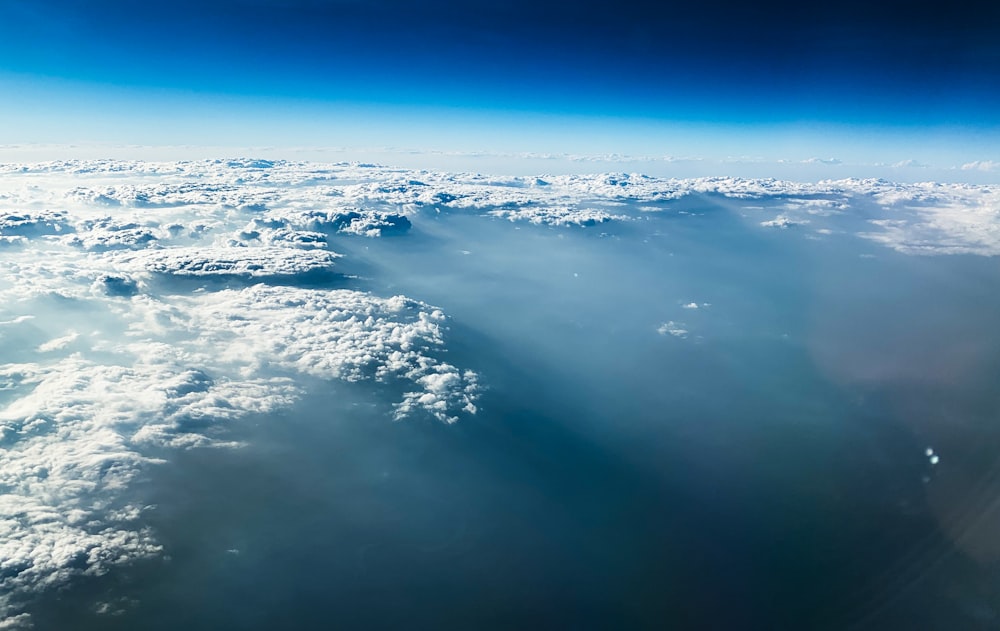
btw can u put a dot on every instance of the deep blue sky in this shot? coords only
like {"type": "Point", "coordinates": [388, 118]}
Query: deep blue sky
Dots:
{"type": "Point", "coordinates": [888, 64]}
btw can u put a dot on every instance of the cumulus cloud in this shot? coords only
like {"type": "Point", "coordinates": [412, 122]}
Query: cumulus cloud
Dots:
{"type": "Point", "coordinates": [107, 233]}
{"type": "Point", "coordinates": [783, 221]}
{"type": "Point", "coordinates": [558, 216]}
{"type": "Point", "coordinates": [268, 233]}
{"type": "Point", "coordinates": [31, 225]}
{"type": "Point", "coordinates": [73, 439]}
{"type": "Point", "coordinates": [337, 334]}
{"type": "Point", "coordinates": [121, 285]}
{"type": "Point", "coordinates": [166, 365]}
{"type": "Point", "coordinates": [64, 460]}
{"type": "Point", "coordinates": [78, 429]}
{"type": "Point", "coordinates": [934, 219]}
{"type": "Point", "coordinates": [226, 261]}
{"type": "Point", "coordinates": [349, 220]}
{"type": "Point", "coordinates": [282, 204]}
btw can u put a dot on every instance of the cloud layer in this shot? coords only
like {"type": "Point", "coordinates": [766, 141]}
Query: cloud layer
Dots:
{"type": "Point", "coordinates": [147, 306]}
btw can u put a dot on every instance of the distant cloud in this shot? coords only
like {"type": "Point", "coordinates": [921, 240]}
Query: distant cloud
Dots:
{"type": "Point", "coordinates": [98, 235]}
{"type": "Point", "coordinates": [261, 262]}
{"type": "Point", "coordinates": [783, 221]}
{"type": "Point", "coordinates": [981, 165]}
{"type": "Point", "coordinates": [559, 216]}
{"type": "Point", "coordinates": [676, 329]}
{"type": "Point", "coordinates": [310, 226]}
{"type": "Point", "coordinates": [830, 161]}
{"type": "Point", "coordinates": [903, 164]}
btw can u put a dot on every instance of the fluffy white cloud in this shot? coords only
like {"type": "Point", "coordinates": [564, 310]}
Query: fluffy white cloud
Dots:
{"type": "Point", "coordinates": [109, 234]}
{"type": "Point", "coordinates": [558, 216]}
{"type": "Point", "coordinates": [144, 372]}
{"type": "Point", "coordinates": [64, 460]}
{"type": "Point", "coordinates": [31, 225]}
{"type": "Point", "coordinates": [74, 434]}
{"type": "Point", "coordinates": [282, 203]}
{"type": "Point", "coordinates": [225, 261]}
{"type": "Point", "coordinates": [783, 221]}
{"type": "Point", "coordinates": [343, 220]}
{"type": "Point", "coordinates": [338, 334]}
{"type": "Point", "coordinates": [77, 429]}
{"type": "Point", "coordinates": [279, 203]}
{"type": "Point", "coordinates": [931, 218]}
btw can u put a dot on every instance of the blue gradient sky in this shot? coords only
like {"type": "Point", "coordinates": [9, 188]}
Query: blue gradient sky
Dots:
{"type": "Point", "coordinates": [715, 79]}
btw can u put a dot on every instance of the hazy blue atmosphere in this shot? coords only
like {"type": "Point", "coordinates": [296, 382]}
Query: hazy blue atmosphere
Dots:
{"type": "Point", "coordinates": [860, 86]}
{"type": "Point", "coordinates": [512, 315]}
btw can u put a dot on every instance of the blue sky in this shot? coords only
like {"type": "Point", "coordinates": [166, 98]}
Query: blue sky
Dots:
{"type": "Point", "coordinates": [722, 78]}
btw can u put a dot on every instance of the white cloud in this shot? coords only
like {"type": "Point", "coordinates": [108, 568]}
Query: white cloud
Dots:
{"type": "Point", "coordinates": [783, 221]}
{"type": "Point", "coordinates": [981, 165]}
{"type": "Point", "coordinates": [903, 164]}
{"type": "Point", "coordinates": [32, 224]}
{"type": "Point", "coordinates": [675, 329]}
{"type": "Point", "coordinates": [342, 220]}
{"type": "Point", "coordinates": [18, 319]}
{"type": "Point", "coordinates": [338, 334]}
{"type": "Point", "coordinates": [299, 204]}
{"type": "Point", "coordinates": [77, 429]}
{"type": "Point", "coordinates": [558, 216]}
{"type": "Point", "coordinates": [258, 262]}
{"type": "Point", "coordinates": [83, 415]}
{"type": "Point", "coordinates": [107, 233]}
{"type": "Point", "coordinates": [20, 621]}
{"type": "Point", "coordinates": [933, 218]}
{"type": "Point", "coordinates": [66, 457]}
{"type": "Point", "coordinates": [58, 343]}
